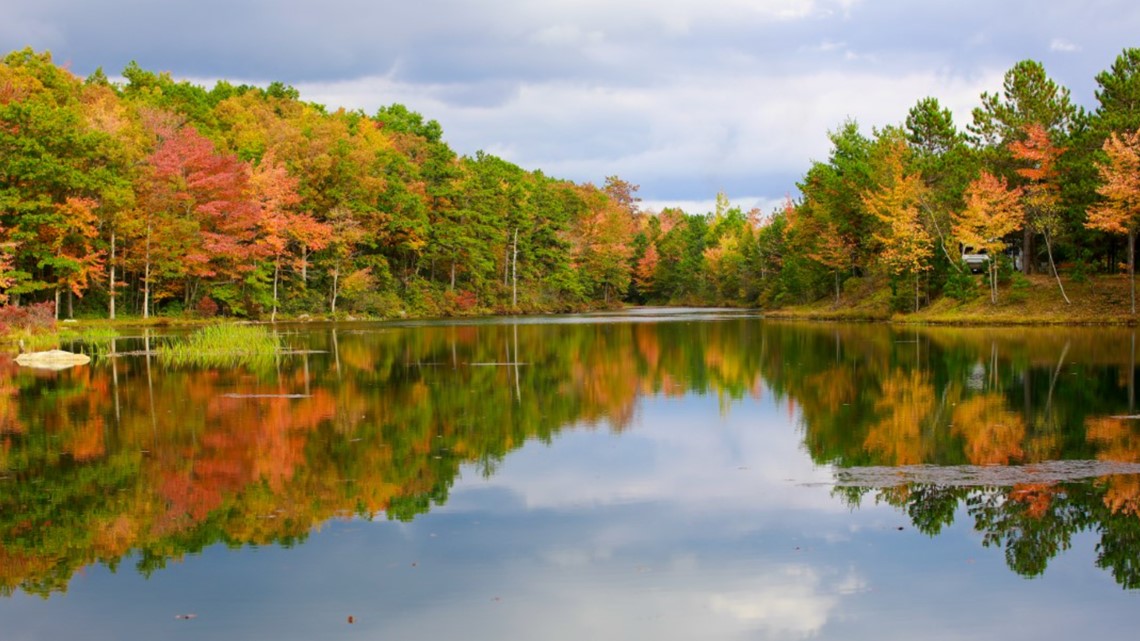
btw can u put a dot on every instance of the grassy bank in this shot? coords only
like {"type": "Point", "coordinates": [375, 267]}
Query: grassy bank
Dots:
{"type": "Point", "coordinates": [1100, 300]}
{"type": "Point", "coordinates": [1097, 300]}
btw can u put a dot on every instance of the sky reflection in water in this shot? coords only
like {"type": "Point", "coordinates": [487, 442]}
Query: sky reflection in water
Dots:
{"type": "Point", "coordinates": [703, 516]}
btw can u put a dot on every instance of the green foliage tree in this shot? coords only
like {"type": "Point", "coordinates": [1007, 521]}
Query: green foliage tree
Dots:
{"type": "Point", "coordinates": [1028, 97]}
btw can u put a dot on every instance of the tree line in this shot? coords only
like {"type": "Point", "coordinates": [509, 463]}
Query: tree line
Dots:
{"type": "Point", "coordinates": [1035, 182]}
{"type": "Point", "coordinates": [154, 196]}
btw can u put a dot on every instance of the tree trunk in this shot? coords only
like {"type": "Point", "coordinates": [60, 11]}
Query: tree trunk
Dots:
{"type": "Point", "coordinates": [836, 287]}
{"type": "Point", "coordinates": [1027, 251]}
{"type": "Point", "coordinates": [453, 275]}
{"type": "Point", "coordinates": [1132, 267]}
{"type": "Point", "coordinates": [332, 300]}
{"type": "Point", "coordinates": [1053, 266]}
{"type": "Point", "coordinates": [111, 287]}
{"type": "Point", "coordinates": [146, 277]}
{"type": "Point", "coordinates": [57, 303]}
{"type": "Point", "coordinates": [515, 272]}
{"type": "Point", "coordinates": [993, 281]}
{"type": "Point", "coordinates": [276, 278]}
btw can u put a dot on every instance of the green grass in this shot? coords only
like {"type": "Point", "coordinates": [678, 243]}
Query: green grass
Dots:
{"type": "Point", "coordinates": [34, 341]}
{"type": "Point", "coordinates": [223, 345]}
{"type": "Point", "coordinates": [93, 341]}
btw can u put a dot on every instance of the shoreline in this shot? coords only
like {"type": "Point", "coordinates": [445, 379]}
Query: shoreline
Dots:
{"type": "Point", "coordinates": [1099, 301]}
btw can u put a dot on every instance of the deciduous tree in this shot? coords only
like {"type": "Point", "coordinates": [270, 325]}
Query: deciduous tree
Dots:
{"type": "Point", "coordinates": [906, 244]}
{"type": "Point", "coordinates": [1042, 194]}
{"type": "Point", "coordinates": [1119, 213]}
{"type": "Point", "coordinates": [283, 228]}
{"type": "Point", "coordinates": [992, 211]}
{"type": "Point", "coordinates": [1029, 96]}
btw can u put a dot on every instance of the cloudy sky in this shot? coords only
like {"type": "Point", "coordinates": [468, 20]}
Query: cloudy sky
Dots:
{"type": "Point", "coordinates": [686, 98]}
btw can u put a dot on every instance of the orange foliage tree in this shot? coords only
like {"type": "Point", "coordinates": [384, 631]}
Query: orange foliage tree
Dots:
{"type": "Point", "coordinates": [646, 268]}
{"type": "Point", "coordinates": [1119, 213]}
{"type": "Point", "coordinates": [283, 228]}
{"type": "Point", "coordinates": [1042, 194]}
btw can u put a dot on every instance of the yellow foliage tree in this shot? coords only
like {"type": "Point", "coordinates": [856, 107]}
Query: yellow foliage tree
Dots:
{"type": "Point", "coordinates": [895, 202]}
{"type": "Point", "coordinates": [992, 211]}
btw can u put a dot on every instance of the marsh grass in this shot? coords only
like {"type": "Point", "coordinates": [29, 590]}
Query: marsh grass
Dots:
{"type": "Point", "coordinates": [30, 341]}
{"type": "Point", "coordinates": [96, 342]}
{"type": "Point", "coordinates": [223, 345]}
{"type": "Point", "coordinates": [93, 341]}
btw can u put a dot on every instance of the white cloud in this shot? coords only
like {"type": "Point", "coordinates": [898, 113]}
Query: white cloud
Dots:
{"type": "Point", "coordinates": [685, 98]}
{"type": "Point", "coordinates": [693, 599]}
{"type": "Point", "coordinates": [718, 132]}
{"type": "Point", "coordinates": [1063, 46]}
{"type": "Point", "coordinates": [566, 35]}
{"type": "Point", "coordinates": [678, 462]}
{"type": "Point", "coordinates": [745, 203]}
{"type": "Point", "coordinates": [788, 604]}
{"type": "Point", "coordinates": [827, 46]}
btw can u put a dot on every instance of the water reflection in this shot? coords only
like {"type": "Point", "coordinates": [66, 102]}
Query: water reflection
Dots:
{"type": "Point", "coordinates": [125, 459]}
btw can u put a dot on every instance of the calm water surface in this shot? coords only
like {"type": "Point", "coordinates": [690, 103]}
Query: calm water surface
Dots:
{"type": "Point", "coordinates": [679, 474]}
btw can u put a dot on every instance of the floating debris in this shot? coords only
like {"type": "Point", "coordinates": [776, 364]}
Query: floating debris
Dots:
{"type": "Point", "coordinates": [267, 395]}
{"type": "Point", "coordinates": [974, 475]}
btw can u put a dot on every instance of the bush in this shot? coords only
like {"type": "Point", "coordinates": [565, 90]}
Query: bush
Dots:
{"type": "Point", "coordinates": [32, 318]}
{"type": "Point", "coordinates": [460, 301]}
{"type": "Point", "coordinates": [1018, 288]}
{"type": "Point", "coordinates": [1079, 273]}
{"type": "Point", "coordinates": [1005, 270]}
{"type": "Point", "coordinates": [902, 293]}
{"type": "Point", "coordinates": [961, 285]}
{"type": "Point", "coordinates": [206, 307]}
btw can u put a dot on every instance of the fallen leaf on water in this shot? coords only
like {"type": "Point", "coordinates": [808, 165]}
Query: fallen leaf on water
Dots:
{"type": "Point", "coordinates": [186, 617]}
{"type": "Point", "coordinates": [351, 619]}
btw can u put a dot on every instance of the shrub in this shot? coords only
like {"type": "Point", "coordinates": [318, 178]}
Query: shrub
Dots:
{"type": "Point", "coordinates": [1019, 288]}
{"type": "Point", "coordinates": [961, 285]}
{"type": "Point", "coordinates": [1079, 272]}
{"type": "Point", "coordinates": [206, 307]}
{"type": "Point", "coordinates": [1005, 270]}
{"type": "Point", "coordinates": [460, 301]}
{"type": "Point", "coordinates": [28, 318]}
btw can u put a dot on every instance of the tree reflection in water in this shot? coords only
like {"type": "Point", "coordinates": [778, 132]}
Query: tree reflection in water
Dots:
{"type": "Point", "coordinates": [128, 457]}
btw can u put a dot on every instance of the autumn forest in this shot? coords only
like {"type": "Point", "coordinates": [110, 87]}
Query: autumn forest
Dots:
{"type": "Point", "coordinates": [153, 196]}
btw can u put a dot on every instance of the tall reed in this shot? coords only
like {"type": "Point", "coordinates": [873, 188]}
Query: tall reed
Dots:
{"type": "Point", "coordinates": [223, 345]}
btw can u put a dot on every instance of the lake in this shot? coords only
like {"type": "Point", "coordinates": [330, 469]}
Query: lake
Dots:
{"type": "Point", "coordinates": [651, 474]}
